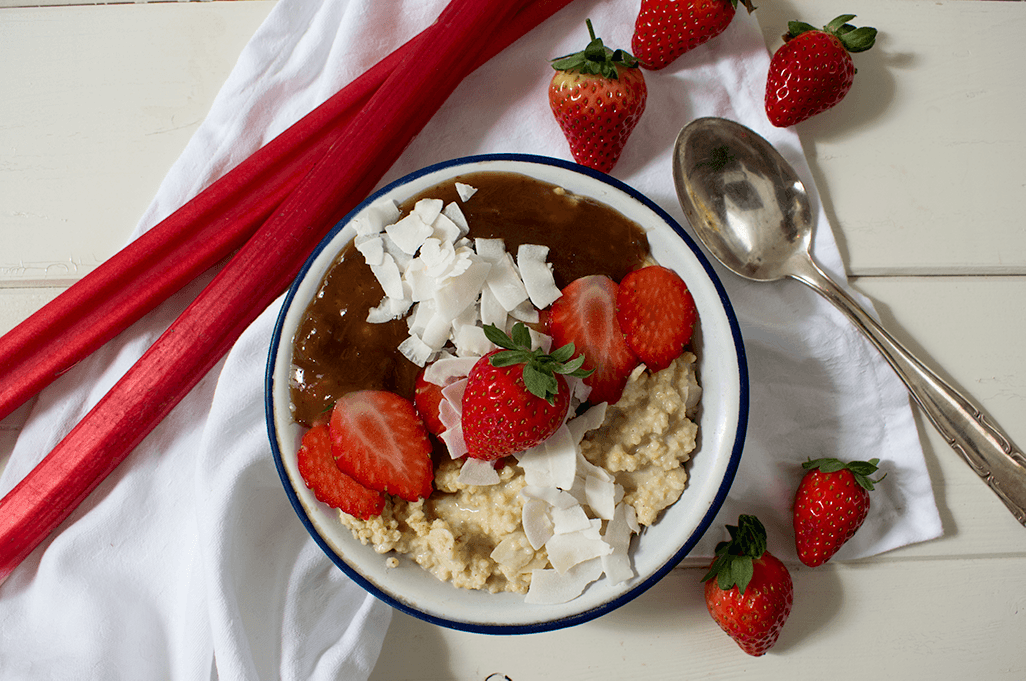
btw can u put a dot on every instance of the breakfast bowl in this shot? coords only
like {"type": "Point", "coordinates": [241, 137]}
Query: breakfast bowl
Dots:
{"type": "Point", "coordinates": [721, 417]}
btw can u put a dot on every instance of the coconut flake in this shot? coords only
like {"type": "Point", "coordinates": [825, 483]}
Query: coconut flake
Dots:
{"type": "Point", "coordinates": [462, 291]}
{"type": "Point", "coordinates": [617, 563]}
{"type": "Point", "coordinates": [454, 213]}
{"type": "Point", "coordinates": [478, 472]}
{"type": "Point", "coordinates": [513, 552]}
{"type": "Point", "coordinates": [388, 275]}
{"type": "Point", "coordinates": [536, 522]}
{"type": "Point", "coordinates": [525, 312]}
{"type": "Point", "coordinates": [416, 350]}
{"type": "Point", "coordinates": [492, 250]}
{"type": "Point", "coordinates": [567, 550]}
{"type": "Point", "coordinates": [454, 440]}
{"type": "Point", "coordinates": [553, 463]}
{"type": "Point", "coordinates": [445, 229]}
{"type": "Point", "coordinates": [537, 275]}
{"type": "Point", "coordinates": [589, 420]}
{"type": "Point", "coordinates": [569, 519]}
{"type": "Point", "coordinates": [409, 233]}
{"type": "Point", "coordinates": [448, 369]}
{"type": "Point", "coordinates": [465, 191]}
{"type": "Point", "coordinates": [549, 587]}
{"type": "Point", "coordinates": [453, 393]}
{"type": "Point", "coordinates": [371, 247]}
{"type": "Point", "coordinates": [505, 284]}
{"type": "Point", "coordinates": [601, 493]}
{"type": "Point", "coordinates": [492, 311]}
{"type": "Point", "coordinates": [382, 313]}
{"type": "Point", "coordinates": [428, 210]}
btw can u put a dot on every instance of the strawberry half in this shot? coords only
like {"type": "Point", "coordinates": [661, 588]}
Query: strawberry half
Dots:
{"type": "Point", "coordinates": [328, 483]}
{"type": "Point", "coordinates": [427, 397]}
{"type": "Point", "coordinates": [516, 397]}
{"type": "Point", "coordinates": [666, 29]}
{"type": "Point", "coordinates": [379, 439]}
{"type": "Point", "coordinates": [813, 70]}
{"type": "Point", "coordinates": [830, 505]}
{"type": "Point", "coordinates": [597, 96]}
{"type": "Point", "coordinates": [748, 591]}
{"type": "Point", "coordinates": [585, 315]}
{"type": "Point", "coordinates": [656, 313]}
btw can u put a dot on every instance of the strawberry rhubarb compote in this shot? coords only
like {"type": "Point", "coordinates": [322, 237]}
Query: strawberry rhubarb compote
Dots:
{"type": "Point", "coordinates": [521, 337]}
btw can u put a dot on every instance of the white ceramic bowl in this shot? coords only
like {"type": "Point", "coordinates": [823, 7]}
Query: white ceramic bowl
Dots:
{"type": "Point", "coordinates": [722, 422]}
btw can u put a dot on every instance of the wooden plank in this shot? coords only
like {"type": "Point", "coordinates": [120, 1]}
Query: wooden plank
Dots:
{"type": "Point", "coordinates": [942, 92]}
{"type": "Point", "coordinates": [969, 331]}
{"type": "Point", "coordinates": [914, 619]}
{"type": "Point", "coordinates": [98, 103]}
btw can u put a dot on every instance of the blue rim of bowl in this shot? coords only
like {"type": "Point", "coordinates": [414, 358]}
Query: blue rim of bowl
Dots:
{"type": "Point", "coordinates": [638, 589]}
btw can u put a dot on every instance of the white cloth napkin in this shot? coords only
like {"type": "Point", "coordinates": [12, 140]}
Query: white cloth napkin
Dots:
{"type": "Point", "coordinates": [188, 561]}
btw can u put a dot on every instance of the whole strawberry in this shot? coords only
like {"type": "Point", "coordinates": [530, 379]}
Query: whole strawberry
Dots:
{"type": "Point", "coordinates": [666, 29]}
{"type": "Point", "coordinates": [748, 591]}
{"type": "Point", "coordinates": [597, 96]}
{"type": "Point", "coordinates": [516, 397]}
{"type": "Point", "coordinates": [813, 71]}
{"type": "Point", "coordinates": [831, 504]}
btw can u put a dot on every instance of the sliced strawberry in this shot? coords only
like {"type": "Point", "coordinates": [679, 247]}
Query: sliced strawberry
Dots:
{"type": "Point", "coordinates": [379, 439]}
{"type": "Point", "coordinates": [427, 397]}
{"type": "Point", "coordinates": [585, 315]}
{"type": "Point", "coordinates": [656, 314]}
{"type": "Point", "coordinates": [328, 483]}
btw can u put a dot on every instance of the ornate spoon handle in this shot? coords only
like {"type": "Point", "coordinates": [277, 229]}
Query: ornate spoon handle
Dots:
{"type": "Point", "coordinates": [984, 446]}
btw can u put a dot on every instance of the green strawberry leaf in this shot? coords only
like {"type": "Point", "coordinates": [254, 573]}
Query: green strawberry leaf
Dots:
{"type": "Point", "coordinates": [596, 59]}
{"type": "Point", "coordinates": [859, 39]}
{"type": "Point", "coordinates": [838, 23]}
{"type": "Point", "coordinates": [540, 369]}
{"type": "Point", "coordinates": [854, 39]}
{"type": "Point", "coordinates": [861, 470]}
{"type": "Point", "coordinates": [733, 565]}
{"type": "Point", "coordinates": [796, 28]}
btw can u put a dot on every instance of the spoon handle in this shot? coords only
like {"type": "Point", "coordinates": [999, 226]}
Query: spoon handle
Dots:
{"type": "Point", "coordinates": [984, 446]}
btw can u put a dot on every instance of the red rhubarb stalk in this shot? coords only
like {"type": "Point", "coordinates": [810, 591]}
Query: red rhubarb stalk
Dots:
{"type": "Point", "coordinates": [251, 280]}
{"type": "Point", "coordinates": [197, 236]}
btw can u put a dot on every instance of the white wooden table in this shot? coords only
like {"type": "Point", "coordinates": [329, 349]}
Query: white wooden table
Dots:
{"type": "Point", "coordinates": [924, 179]}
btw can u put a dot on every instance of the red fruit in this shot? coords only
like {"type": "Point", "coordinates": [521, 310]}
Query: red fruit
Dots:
{"type": "Point", "coordinates": [813, 71]}
{"type": "Point", "coordinates": [831, 504]}
{"type": "Point", "coordinates": [656, 313]}
{"type": "Point", "coordinates": [666, 29]}
{"type": "Point", "coordinates": [328, 483]}
{"type": "Point", "coordinates": [427, 397]}
{"type": "Point", "coordinates": [597, 96]}
{"type": "Point", "coordinates": [379, 439]}
{"type": "Point", "coordinates": [515, 397]}
{"type": "Point", "coordinates": [585, 315]}
{"type": "Point", "coordinates": [752, 593]}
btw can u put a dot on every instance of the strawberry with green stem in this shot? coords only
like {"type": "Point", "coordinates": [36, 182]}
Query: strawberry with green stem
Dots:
{"type": "Point", "coordinates": [597, 96]}
{"type": "Point", "coordinates": [831, 504]}
{"type": "Point", "coordinates": [813, 70]}
{"type": "Point", "coordinates": [666, 29]}
{"type": "Point", "coordinates": [516, 397]}
{"type": "Point", "coordinates": [748, 591]}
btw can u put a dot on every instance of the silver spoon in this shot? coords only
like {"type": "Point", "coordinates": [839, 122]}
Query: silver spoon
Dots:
{"type": "Point", "coordinates": [750, 209]}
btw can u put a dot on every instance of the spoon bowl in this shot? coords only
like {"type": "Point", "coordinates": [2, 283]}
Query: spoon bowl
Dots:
{"type": "Point", "coordinates": [747, 204]}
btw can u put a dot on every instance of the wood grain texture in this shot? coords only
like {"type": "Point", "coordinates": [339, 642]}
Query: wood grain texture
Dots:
{"type": "Point", "coordinates": [919, 162]}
